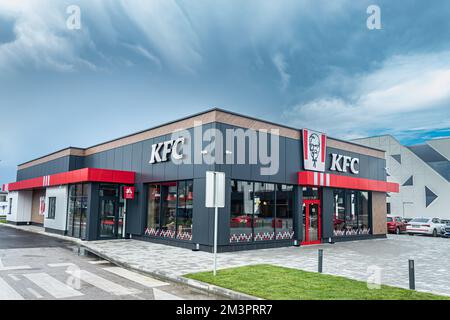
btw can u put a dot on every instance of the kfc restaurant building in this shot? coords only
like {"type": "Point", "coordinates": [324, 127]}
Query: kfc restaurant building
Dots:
{"type": "Point", "coordinates": [151, 186]}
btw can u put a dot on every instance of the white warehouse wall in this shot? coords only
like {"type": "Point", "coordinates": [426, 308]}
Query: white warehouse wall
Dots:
{"type": "Point", "coordinates": [21, 206]}
{"type": "Point", "coordinates": [59, 223]}
{"type": "Point", "coordinates": [411, 201]}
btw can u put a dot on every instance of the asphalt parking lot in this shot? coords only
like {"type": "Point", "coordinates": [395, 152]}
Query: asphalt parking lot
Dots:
{"type": "Point", "coordinates": [36, 267]}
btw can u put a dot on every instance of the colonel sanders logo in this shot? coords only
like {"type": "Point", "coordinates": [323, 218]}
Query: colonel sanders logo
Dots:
{"type": "Point", "coordinates": [314, 148]}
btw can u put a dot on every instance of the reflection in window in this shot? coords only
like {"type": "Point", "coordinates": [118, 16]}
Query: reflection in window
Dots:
{"type": "Point", "coordinates": [154, 198]}
{"type": "Point", "coordinates": [264, 202]}
{"type": "Point", "coordinates": [77, 213]}
{"type": "Point", "coordinates": [241, 211]}
{"type": "Point", "coordinates": [351, 213]}
{"type": "Point", "coordinates": [284, 226]}
{"type": "Point", "coordinates": [184, 210]}
{"type": "Point", "coordinates": [169, 210]}
{"type": "Point", "coordinates": [261, 211]}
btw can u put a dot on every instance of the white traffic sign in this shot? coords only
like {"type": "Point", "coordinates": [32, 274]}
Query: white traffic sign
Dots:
{"type": "Point", "coordinates": [215, 189]}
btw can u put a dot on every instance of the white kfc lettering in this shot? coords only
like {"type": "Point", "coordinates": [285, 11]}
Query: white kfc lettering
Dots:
{"type": "Point", "coordinates": [168, 148]}
{"type": "Point", "coordinates": [343, 163]}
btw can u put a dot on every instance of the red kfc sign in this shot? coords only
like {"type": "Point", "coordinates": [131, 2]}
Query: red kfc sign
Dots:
{"type": "Point", "coordinates": [128, 193]}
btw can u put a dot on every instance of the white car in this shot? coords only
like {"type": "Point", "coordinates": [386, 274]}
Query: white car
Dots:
{"type": "Point", "coordinates": [429, 226]}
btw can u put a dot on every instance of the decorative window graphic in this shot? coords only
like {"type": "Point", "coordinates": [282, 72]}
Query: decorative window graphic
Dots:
{"type": "Point", "coordinates": [243, 237]}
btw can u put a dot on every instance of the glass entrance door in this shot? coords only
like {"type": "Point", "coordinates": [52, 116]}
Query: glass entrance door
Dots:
{"type": "Point", "coordinates": [108, 218]}
{"type": "Point", "coordinates": [311, 222]}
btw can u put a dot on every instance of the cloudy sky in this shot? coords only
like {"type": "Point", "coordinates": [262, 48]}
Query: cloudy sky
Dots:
{"type": "Point", "coordinates": [135, 64]}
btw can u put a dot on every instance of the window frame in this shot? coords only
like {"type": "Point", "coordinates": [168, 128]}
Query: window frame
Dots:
{"type": "Point", "coordinates": [160, 207]}
{"type": "Point", "coordinates": [51, 214]}
{"type": "Point", "coordinates": [347, 196]}
{"type": "Point", "coordinates": [274, 215]}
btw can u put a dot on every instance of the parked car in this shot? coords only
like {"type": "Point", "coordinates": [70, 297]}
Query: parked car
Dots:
{"type": "Point", "coordinates": [395, 224]}
{"type": "Point", "coordinates": [427, 226]}
{"type": "Point", "coordinates": [446, 222]}
{"type": "Point", "coordinates": [406, 220]}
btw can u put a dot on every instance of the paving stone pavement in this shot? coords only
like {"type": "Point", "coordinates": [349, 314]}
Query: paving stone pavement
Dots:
{"type": "Point", "coordinates": [350, 259]}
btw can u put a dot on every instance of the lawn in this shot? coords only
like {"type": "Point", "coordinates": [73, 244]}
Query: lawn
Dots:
{"type": "Point", "coordinates": [278, 283]}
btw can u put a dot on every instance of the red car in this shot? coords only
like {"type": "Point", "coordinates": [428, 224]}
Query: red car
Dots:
{"type": "Point", "coordinates": [395, 224]}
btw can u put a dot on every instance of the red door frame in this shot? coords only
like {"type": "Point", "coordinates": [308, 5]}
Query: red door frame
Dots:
{"type": "Point", "coordinates": [307, 203]}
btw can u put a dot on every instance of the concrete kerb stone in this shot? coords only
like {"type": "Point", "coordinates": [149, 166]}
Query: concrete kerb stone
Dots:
{"type": "Point", "coordinates": [162, 275]}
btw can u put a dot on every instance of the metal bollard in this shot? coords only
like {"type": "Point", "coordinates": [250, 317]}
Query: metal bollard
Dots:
{"type": "Point", "coordinates": [412, 280]}
{"type": "Point", "coordinates": [320, 260]}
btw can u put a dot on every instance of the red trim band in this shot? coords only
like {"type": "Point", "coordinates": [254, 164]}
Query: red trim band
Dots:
{"type": "Point", "coordinates": [76, 176]}
{"type": "Point", "coordinates": [305, 144]}
{"type": "Point", "coordinates": [316, 179]}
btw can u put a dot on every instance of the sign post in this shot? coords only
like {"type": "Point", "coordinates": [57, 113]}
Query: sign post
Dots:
{"type": "Point", "coordinates": [215, 198]}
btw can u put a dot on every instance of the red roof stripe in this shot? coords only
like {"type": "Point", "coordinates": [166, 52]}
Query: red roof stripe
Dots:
{"type": "Point", "coordinates": [306, 178]}
{"type": "Point", "coordinates": [76, 176]}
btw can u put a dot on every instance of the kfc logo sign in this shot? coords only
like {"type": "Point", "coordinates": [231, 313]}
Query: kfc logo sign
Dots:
{"type": "Point", "coordinates": [314, 150]}
{"type": "Point", "coordinates": [128, 193]}
{"type": "Point", "coordinates": [161, 151]}
{"type": "Point", "coordinates": [344, 164]}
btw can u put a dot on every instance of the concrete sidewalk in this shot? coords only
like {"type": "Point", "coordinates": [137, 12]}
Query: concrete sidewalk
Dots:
{"type": "Point", "coordinates": [358, 260]}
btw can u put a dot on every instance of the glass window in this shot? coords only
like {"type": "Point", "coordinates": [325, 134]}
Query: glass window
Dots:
{"type": "Point", "coordinates": [310, 193]}
{"type": "Point", "coordinates": [339, 212]}
{"type": "Point", "coordinates": [184, 210]}
{"type": "Point", "coordinates": [264, 213]}
{"type": "Point", "coordinates": [241, 211]}
{"type": "Point", "coordinates": [153, 207]}
{"type": "Point", "coordinates": [351, 212]}
{"type": "Point", "coordinates": [77, 211]}
{"type": "Point", "coordinates": [51, 208]}
{"type": "Point", "coordinates": [10, 206]}
{"type": "Point", "coordinates": [261, 211]}
{"type": "Point", "coordinates": [2, 198]}
{"type": "Point", "coordinates": [362, 200]}
{"type": "Point", "coordinates": [169, 209]}
{"type": "Point", "coordinates": [284, 226]}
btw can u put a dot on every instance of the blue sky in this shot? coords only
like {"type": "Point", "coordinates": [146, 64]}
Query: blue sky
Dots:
{"type": "Point", "coordinates": [135, 64]}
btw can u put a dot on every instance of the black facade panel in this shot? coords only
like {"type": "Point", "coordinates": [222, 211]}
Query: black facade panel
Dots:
{"type": "Point", "coordinates": [137, 211]}
{"type": "Point", "coordinates": [118, 158]}
{"type": "Point", "coordinates": [136, 160]}
{"type": "Point", "coordinates": [293, 160]}
{"type": "Point", "coordinates": [201, 229]}
{"type": "Point", "coordinates": [47, 168]}
{"type": "Point", "coordinates": [145, 166]}
{"type": "Point", "coordinates": [93, 212]}
{"type": "Point", "coordinates": [327, 213]}
{"type": "Point", "coordinates": [127, 157]}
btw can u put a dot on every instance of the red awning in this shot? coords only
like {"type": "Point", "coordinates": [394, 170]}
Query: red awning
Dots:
{"type": "Point", "coordinates": [76, 176]}
{"type": "Point", "coordinates": [318, 179]}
